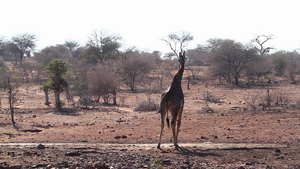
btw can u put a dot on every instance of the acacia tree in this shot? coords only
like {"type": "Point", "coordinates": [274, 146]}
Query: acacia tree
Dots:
{"type": "Point", "coordinates": [102, 47]}
{"type": "Point", "coordinates": [48, 54]}
{"type": "Point", "coordinates": [3, 74]}
{"type": "Point", "coordinates": [25, 44]}
{"type": "Point", "coordinates": [56, 82]}
{"type": "Point", "coordinates": [280, 61]}
{"type": "Point", "coordinates": [73, 47]}
{"type": "Point", "coordinates": [133, 68]}
{"type": "Point", "coordinates": [2, 44]}
{"type": "Point", "coordinates": [178, 41]}
{"type": "Point", "coordinates": [293, 66]}
{"type": "Point", "coordinates": [230, 59]}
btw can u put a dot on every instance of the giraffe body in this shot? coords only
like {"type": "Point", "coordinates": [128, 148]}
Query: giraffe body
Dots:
{"type": "Point", "coordinates": [172, 101]}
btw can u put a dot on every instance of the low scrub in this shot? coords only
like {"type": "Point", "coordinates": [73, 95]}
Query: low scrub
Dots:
{"type": "Point", "coordinates": [146, 106]}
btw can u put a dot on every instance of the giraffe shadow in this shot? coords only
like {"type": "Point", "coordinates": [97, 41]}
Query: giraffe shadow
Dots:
{"type": "Point", "coordinates": [197, 152]}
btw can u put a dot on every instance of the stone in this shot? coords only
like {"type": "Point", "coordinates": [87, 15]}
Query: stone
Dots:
{"type": "Point", "coordinates": [41, 147]}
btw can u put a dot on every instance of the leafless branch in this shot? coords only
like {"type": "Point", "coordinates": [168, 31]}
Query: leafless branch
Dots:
{"type": "Point", "coordinates": [261, 40]}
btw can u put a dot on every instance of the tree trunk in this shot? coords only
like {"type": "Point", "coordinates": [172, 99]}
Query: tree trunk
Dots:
{"type": "Point", "coordinates": [236, 79]}
{"type": "Point", "coordinates": [47, 97]}
{"type": "Point", "coordinates": [132, 84]}
{"type": "Point", "coordinates": [114, 97]}
{"type": "Point", "coordinates": [161, 82]}
{"type": "Point", "coordinates": [11, 105]}
{"type": "Point", "coordinates": [188, 84]}
{"type": "Point", "coordinates": [21, 57]}
{"type": "Point", "coordinates": [57, 99]}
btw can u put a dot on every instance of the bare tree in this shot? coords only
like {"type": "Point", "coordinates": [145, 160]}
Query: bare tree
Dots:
{"type": "Point", "coordinates": [25, 43]}
{"type": "Point", "coordinates": [12, 97]}
{"type": "Point", "coordinates": [104, 83]}
{"type": "Point", "coordinates": [9, 81]}
{"type": "Point", "coordinates": [102, 47]}
{"type": "Point", "coordinates": [178, 41]}
{"type": "Point", "coordinates": [261, 40]}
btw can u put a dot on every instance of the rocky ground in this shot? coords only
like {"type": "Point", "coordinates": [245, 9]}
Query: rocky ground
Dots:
{"type": "Point", "coordinates": [269, 137]}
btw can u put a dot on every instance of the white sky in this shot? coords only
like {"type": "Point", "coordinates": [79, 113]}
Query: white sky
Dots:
{"type": "Point", "coordinates": [142, 23]}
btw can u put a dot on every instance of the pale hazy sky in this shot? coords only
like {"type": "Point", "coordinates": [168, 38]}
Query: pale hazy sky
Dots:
{"type": "Point", "coordinates": [142, 23]}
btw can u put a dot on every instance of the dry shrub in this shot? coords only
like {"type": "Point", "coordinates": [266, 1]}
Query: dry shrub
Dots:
{"type": "Point", "coordinates": [208, 109]}
{"type": "Point", "coordinates": [266, 100]}
{"type": "Point", "coordinates": [209, 96]}
{"type": "Point", "coordinates": [146, 106]}
{"type": "Point", "coordinates": [122, 100]}
{"type": "Point", "coordinates": [281, 97]}
{"type": "Point", "coordinates": [87, 101]}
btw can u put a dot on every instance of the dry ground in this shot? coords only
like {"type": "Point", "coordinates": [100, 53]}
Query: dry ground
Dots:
{"type": "Point", "coordinates": [236, 119]}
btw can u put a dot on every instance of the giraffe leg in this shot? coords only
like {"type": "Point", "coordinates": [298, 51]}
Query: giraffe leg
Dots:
{"type": "Point", "coordinates": [178, 126]}
{"type": "Point", "coordinates": [161, 132]}
{"type": "Point", "coordinates": [163, 117]}
{"type": "Point", "coordinates": [173, 126]}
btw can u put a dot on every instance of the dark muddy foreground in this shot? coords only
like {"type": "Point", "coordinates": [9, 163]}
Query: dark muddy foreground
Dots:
{"type": "Point", "coordinates": [206, 155]}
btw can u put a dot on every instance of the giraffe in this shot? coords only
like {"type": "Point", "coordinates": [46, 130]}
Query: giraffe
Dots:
{"type": "Point", "coordinates": [172, 101]}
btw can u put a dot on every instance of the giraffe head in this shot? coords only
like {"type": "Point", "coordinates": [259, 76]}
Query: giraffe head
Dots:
{"type": "Point", "coordinates": [182, 58]}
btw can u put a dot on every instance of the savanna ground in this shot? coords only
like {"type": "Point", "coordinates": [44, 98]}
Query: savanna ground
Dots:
{"type": "Point", "coordinates": [238, 132]}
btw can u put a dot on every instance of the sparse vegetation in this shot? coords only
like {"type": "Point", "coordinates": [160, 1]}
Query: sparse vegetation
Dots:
{"type": "Point", "coordinates": [146, 106]}
{"type": "Point", "coordinates": [234, 90]}
{"type": "Point", "coordinates": [157, 164]}
{"type": "Point", "coordinates": [209, 96]}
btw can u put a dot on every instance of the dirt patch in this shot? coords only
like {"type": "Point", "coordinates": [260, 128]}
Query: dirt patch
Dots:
{"type": "Point", "coordinates": [118, 137]}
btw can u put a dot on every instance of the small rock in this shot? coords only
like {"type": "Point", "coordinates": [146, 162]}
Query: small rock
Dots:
{"type": "Point", "coordinates": [124, 136]}
{"type": "Point", "coordinates": [15, 167]}
{"type": "Point", "coordinates": [41, 147]}
{"type": "Point", "coordinates": [277, 151]}
{"type": "Point", "coordinates": [73, 154]}
{"type": "Point", "coordinates": [101, 165]}
{"type": "Point", "coordinates": [118, 137]}
{"type": "Point", "coordinates": [249, 163]}
{"type": "Point", "coordinates": [203, 137]}
{"type": "Point", "coordinates": [166, 162]}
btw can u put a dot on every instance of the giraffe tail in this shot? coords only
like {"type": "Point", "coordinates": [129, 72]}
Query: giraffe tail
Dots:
{"type": "Point", "coordinates": [168, 121]}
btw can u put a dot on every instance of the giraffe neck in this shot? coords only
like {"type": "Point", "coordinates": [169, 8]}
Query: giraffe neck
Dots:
{"type": "Point", "coordinates": [178, 76]}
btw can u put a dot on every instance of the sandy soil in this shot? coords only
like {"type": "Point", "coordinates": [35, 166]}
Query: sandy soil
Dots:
{"type": "Point", "coordinates": [237, 119]}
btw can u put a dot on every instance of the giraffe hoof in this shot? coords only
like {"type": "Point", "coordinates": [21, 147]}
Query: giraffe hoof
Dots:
{"type": "Point", "coordinates": [158, 147]}
{"type": "Point", "coordinates": [177, 147]}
